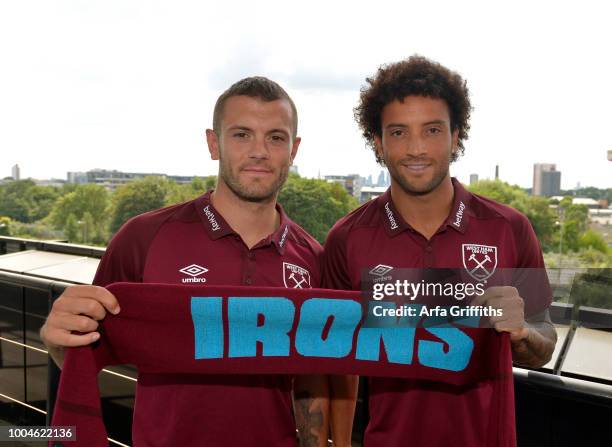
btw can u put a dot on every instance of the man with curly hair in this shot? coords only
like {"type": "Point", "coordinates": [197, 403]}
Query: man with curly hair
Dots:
{"type": "Point", "coordinates": [414, 115]}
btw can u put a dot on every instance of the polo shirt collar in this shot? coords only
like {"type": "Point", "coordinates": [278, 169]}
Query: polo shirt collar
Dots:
{"type": "Point", "coordinates": [393, 222]}
{"type": "Point", "coordinates": [214, 223]}
{"type": "Point", "coordinates": [281, 236]}
{"type": "Point", "coordinates": [459, 215]}
{"type": "Point", "coordinates": [216, 226]}
{"type": "Point", "coordinates": [457, 219]}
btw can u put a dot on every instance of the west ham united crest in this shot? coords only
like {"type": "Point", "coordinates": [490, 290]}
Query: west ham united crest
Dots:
{"type": "Point", "coordinates": [295, 277]}
{"type": "Point", "coordinates": [479, 260]}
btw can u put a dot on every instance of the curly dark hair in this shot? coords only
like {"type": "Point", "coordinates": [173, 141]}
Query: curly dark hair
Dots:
{"type": "Point", "coordinates": [418, 76]}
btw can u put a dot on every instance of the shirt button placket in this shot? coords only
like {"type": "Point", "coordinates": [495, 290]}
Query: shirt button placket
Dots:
{"type": "Point", "coordinates": [249, 268]}
{"type": "Point", "coordinates": [428, 256]}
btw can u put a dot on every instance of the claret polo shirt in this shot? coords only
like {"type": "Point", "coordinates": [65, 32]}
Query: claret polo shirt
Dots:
{"type": "Point", "coordinates": [191, 243]}
{"type": "Point", "coordinates": [419, 413]}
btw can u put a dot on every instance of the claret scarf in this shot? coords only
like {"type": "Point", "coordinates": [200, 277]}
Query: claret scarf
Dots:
{"type": "Point", "coordinates": [170, 329]}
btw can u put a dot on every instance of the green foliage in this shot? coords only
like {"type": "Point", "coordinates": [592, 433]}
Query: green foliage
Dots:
{"type": "Point", "coordinates": [89, 202]}
{"type": "Point", "coordinates": [35, 230]}
{"type": "Point", "coordinates": [179, 193]}
{"type": "Point", "coordinates": [593, 288]}
{"type": "Point", "coordinates": [5, 226]}
{"type": "Point", "coordinates": [138, 197]}
{"type": "Point", "coordinates": [575, 220]}
{"type": "Point", "coordinates": [24, 201]}
{"type": "Point", "coordinates": [536, 209]}
{"type": "Point", "coordinates": [592, 192]}
{"type": "Point", "coordinates": [71, 229]}
{"type": "Point", "coordinates": [586, 258]}
{"type": "Point", "coordinates": [315, 204]}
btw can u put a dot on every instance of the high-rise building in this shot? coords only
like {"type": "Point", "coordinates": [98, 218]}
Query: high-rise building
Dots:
{"type": "Point", "coordinates": [15, 173]}
{"type": "Point", "coordinates": [546, 180]}
{"type": "Point", "coordinates": [381, 179]}
{"type": "Point", "coordinates": [610, 155]}
{"type": "Point", "coordinates": [496, 172]}
{"type": "Point", "coordinates": [294, 169]}
{"type": "Point", "coordinates": [473, 178]}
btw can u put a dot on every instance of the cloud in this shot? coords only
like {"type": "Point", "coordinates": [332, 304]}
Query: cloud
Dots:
{"type": "Point", "coordinates": [252, 58]}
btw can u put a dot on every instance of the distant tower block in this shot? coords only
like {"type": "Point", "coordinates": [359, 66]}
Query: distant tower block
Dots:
{"type": "Point", "coordinates": [16, 173]}
{"type": "Point", "coordinates": [546, 180]}
{"type": "Point", "coordinates": [473, 178]}
{"type": "Point", "coordinates": [496, 172]}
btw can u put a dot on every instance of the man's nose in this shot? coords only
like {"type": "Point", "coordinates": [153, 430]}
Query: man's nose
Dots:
{"type": "Point", "coordinates": [259, 148]}
{"type": "Point", "coordinates": [415, 146]}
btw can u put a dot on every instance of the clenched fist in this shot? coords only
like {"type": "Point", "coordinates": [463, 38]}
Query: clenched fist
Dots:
{"type": "Point", "coordinates": [78, 309]}
{"type": "Point", "coordinates": [512, 307]}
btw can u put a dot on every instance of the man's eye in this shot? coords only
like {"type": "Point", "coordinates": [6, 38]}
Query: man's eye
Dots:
{"type": "Point", "coordinates": [278, 138]}
{"type": "Point", "coordinates": [397, 133]}
{"type": "Point", "coordinates": [434, 130]}
{"type": "Point", "coordinates": [240, 135]}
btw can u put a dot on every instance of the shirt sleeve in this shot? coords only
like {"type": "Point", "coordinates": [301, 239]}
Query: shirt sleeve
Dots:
{"type": "Point", "coordinates": [334, 265]}
{"type": "Point", "coordinates": [125, 255]}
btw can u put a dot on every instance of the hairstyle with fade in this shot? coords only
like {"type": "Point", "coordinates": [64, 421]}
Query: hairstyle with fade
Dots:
{"type": "Point", "coordinates": [416, 76]}
{"type": "Point", "coordinates": [254, 87]}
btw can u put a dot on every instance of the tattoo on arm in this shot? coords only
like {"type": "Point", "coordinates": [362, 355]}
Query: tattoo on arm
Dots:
{"type": "Point", "coordinates": [309, 419]}
{"type": "Point", "coordinates": [537, 349]}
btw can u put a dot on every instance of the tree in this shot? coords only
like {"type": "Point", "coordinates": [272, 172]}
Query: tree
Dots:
{"type": "Point", "coordinates": [41, 199]}
{"type": "Point", "coordinates": [592, 240]}
{"type": "Point", "coordinates": [5, 226]}
{"type": "Point", "coordinates": [315, 204]}
{"type": "Point", "coordinates": [575, 220]}
{"type": "Point", "coordinates": [178, 193]}
{"type": "Point", "coordinates": [537, 209]}
{"type": "Point", "coordinates": [24, 201]}
{"type": "Point", "coordinates": [138, 197]}
{"type": "Point", "coordinates": [86, 199]}
{"type": "Point", "coordinates": [71, 229]}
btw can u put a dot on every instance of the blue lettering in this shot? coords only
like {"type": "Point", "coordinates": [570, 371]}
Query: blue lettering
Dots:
{"type": "Point", "coordinates": [460, 347]}
{"type": "Point", "coordinates": [206, 314]}
{"type": "Point", "coordinates": [314, 314]}
{"type": "Point", "coordinates": [244, 333]}
{"type": "Point", "coordinates": [397, 334]}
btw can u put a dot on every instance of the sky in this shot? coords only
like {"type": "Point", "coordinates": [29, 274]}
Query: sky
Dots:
{"type": "Point", "coordinates": [130, 85]}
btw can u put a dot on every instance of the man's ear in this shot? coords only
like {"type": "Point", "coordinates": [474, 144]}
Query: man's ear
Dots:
{"type": "Point", "coordinates": [455, 142]}
{"type": "Point", "coordinates": [294, 148]}
{"type": "Point", "coordinates": [213, 144]}
{"type": "Point", "coordinates": [378, 147]}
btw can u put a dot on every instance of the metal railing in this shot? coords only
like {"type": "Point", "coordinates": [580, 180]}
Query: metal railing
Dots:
{"type": "Point", "coordinates": [555, 382]}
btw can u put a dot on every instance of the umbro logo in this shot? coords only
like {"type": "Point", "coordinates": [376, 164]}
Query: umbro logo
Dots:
{"type": "Point", "coordinates": [381, 270]}
{"type": "Point", "coordinates": [380, 273]}
{"type": "Point", "coordinates": [193, 270]}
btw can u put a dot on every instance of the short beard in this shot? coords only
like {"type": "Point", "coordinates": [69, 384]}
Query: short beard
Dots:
{"type": "Point", "coordinates": [253, 195]}
{"type": "Point", "coordinates": [437, 179]}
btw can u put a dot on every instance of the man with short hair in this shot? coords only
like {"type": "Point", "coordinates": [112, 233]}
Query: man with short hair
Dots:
{"type": "Point", "coordinates": [234, 235]}
{"type": "Point", "coordinates": [414, 114]}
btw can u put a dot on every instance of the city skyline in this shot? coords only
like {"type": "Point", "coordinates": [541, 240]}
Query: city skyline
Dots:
{"type": "Point", "coordinates": [139, 100]}
{"type": "Point", "coordinates": [468, 179]}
